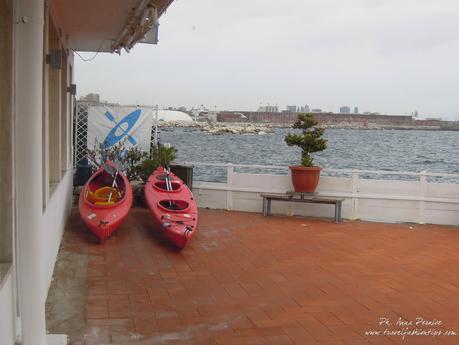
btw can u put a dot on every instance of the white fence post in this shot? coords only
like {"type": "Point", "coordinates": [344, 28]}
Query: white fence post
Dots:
{"type": "Point", "coordinates": [229, 183]}
{"type": "Point", "coordinates": [422, 194]}
{"type": "Point", "coordinates": [355, 200]}
{"type": "Point", "coordinates": [400, 196]}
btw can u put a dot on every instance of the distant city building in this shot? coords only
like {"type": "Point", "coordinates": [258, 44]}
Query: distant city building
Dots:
{"type": "Point", "coordinates": [306, 109]}
{"type": "Point", "coordinates": [345, 110]}
{"type": "Point", "coordinates": [291, 108]}
{"type": "Point", "coordinates": [302, 109]}
{"type": "Point", "coordinates": [91, 97]}
{"type": "Point", "coordinates": [316, 110]}
{"type": "Point", "coordinates": [269, 109]}
{"type": "Point", "coordinates": [366, 113]}
{"type": "Point", "coordinates": [356, 110]}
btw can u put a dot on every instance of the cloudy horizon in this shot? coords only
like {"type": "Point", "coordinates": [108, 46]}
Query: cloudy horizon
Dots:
{"type": "Point", "coordinates": [381, 56]}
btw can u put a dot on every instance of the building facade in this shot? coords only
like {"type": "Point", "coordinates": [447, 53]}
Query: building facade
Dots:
{"type": "Point", "coordinates": [37, 40]}
{"type": "Point", "coordinates": [345, 110]}
{"type": "Point", "coordinates": [269, 109]}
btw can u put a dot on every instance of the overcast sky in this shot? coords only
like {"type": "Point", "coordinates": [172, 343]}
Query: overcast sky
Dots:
{"type": "Point", "coordinates": [389, 56]}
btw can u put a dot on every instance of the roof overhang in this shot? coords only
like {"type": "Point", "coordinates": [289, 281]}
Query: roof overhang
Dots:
{"type": "Point", "coordinates": [108, 25]}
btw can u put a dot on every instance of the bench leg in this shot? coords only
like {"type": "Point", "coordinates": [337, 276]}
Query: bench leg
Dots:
{"type": "Point", "coordinates": [338, 212]}
{"type": "Point", "coordinates": [268, 208]}
{"type": "Point", "coordinates": [264, 207]}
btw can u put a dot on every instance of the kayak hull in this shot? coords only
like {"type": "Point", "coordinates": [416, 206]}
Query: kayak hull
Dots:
{"type": "Point", "coordinates": [174, 212]}
{"type": "Point", "coordinates": [103, 217]}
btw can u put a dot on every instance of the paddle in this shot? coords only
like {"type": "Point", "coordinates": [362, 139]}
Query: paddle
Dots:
{"type": "Point", "coordinates": [167, 178]}
{"type": "Point", "coordinates": [113, 172]}
{"type": "Point", "coordinates": [113, 186]}
{"type": "Point", "coordinates": [111, 118]}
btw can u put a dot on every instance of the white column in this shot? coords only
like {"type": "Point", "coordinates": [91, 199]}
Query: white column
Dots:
{"type": "Point", "coordinates": [28, 169]}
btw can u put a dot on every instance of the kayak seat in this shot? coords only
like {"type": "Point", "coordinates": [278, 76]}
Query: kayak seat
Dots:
{"type": "Point", "coordinates": [93, 198]}
{"type": "Point", "coordinates": [101, 196]}
{"type": "Point", "coordinates": [104, 203]}
{"type": "Point", "coordinates": [104, 192]}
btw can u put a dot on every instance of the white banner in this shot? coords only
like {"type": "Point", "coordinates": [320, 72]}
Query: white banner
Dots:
{"type": "Point", "coordinates": [110, 125]}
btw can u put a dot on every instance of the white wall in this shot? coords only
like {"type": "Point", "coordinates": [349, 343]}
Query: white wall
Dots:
{"type": "Point", "coordinates": [54, 219]}
{"type": "Point", "coordinates": [40, 220]}
{"type": "Point", "coordinates": [365, 199]}
{"type": "Point", "coordinates": [6, 311]}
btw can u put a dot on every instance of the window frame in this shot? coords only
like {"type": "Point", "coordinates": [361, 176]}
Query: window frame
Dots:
{"type": "Point", "coordinates": [6, 138]}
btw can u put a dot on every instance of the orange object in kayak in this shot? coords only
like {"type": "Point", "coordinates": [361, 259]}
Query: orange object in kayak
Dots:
{"type": "Point", "coordinates": [103, 204]}
{"type": "Point", "coordinates": [174, 211]}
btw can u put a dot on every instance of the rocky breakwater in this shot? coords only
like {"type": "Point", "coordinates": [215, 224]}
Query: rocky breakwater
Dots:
{"type": "Point", "coordinates": [181, 124]}
{"type": "Point", "coordinates": [236, 128]}
{"type": "Point", "coordinates": [218, 128]}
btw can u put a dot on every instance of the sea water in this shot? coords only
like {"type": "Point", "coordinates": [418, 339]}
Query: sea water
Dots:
{"type": "Point", "coordinates": [389, 150]}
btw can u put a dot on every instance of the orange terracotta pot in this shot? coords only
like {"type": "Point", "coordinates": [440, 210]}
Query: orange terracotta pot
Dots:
{"type": "Point", "coordinates": [305, 180]}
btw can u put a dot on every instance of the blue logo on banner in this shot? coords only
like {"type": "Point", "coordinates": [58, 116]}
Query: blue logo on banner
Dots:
{"type": "Point", "coordinates": [122, 128]}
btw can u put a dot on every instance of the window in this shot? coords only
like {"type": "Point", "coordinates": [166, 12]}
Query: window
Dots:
{"type": "Point", "coordinates": [64, 114]}
{"type": "Point", "coordinates": [55, 109]}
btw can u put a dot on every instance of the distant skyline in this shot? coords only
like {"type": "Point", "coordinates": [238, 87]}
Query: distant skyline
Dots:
{"type": "Point", "coordinates": [383, 56]}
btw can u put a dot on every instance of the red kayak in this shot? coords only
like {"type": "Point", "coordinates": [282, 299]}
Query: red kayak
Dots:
{"type": "Point", "coordinates": [172, 206]}
{"type": "Point", "coordinates": [105, 201]}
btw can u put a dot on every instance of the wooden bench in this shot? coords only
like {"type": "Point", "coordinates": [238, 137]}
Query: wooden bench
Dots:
{"type": "Point", "coordinates": [301, 197]}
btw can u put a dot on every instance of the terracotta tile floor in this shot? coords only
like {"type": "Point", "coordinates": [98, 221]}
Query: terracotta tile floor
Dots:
{"type": "Point", "coordinates": [248, 279]}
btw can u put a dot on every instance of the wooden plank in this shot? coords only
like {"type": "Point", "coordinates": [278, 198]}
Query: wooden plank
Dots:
{"type": "Point", "coordinates": [267, 198]}
{"type": "Point", "coordinates": [287, 197]}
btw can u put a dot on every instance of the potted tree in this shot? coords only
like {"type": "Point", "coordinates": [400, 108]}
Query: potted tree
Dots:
{"type": "Point", "coordinates": [306, 176]}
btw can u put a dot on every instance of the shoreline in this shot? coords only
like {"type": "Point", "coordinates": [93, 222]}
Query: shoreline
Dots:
{"type": "Point", "coordinates": [217, 128]}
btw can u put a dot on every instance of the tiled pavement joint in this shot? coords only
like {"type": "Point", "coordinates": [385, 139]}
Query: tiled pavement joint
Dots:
{"type": "Point", "coordinates": [247, 279]}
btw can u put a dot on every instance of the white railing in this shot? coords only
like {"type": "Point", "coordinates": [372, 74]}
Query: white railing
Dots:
{"type": "Point", "coordinates": [416, 189]}
{"type": "Point", "coordinates": [230, 167]}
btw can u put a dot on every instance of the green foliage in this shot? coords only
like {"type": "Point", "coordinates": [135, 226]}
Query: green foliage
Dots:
{"type": "Point", "coordinates": [133, 162]}
{"type": "Point", "coordinates": [309, 141]}
{"type": "Point", "coordinates": [163, 154]}
{"type": "Point", "coordinates": [133, 157]}
{"type": "Point", "coordinates": [100, 153]}
{"type": "Point", "coordinates": [160, 155]}
{"type": "Point", "coordinates": [145, 168]}
{"type": "Point", "coordinates": [125, 159]}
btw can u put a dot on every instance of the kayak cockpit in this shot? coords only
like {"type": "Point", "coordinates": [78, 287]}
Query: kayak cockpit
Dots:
{"type": "Point", "coordinates": [162, 186]}
{"type": "Point", "coordinates": [101, 191]}
{"type": "Point", "coordinates": [173, 205]}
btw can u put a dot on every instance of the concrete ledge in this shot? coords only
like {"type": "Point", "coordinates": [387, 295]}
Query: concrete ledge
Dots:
{"type": "Point", "coordinates": [56, 339]}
